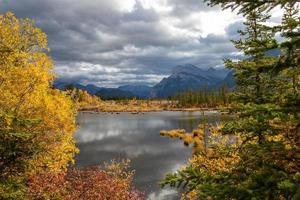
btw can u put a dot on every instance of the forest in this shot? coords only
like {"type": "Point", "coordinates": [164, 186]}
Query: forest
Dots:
{"type": "Point", "coordinates": [254, 156]}
{"type": "Point", "coordinates": [205, 98]}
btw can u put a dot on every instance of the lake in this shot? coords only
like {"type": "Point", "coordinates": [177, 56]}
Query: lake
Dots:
{"type": "Point", "coordinates": [102, 137]}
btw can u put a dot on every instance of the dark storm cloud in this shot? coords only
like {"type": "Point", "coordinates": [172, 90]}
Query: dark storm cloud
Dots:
{"type": "Point", "coordinates": [110, 43]}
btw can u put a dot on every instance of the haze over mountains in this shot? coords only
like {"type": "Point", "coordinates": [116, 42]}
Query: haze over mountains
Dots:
{"type": "Point", "coordinates": [183, 78]}
{"type": "Point", "coordinates": [189, 77]}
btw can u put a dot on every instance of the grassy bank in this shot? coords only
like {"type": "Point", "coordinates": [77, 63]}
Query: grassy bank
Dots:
{"type": "Point", "coordinates": [137, 106]}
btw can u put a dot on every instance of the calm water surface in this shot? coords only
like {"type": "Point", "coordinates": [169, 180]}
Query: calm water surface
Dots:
{"type": "Point", "coordinates": [103, 136]}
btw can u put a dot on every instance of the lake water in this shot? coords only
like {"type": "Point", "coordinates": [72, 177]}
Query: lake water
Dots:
{"type": "Point", "coordinates": [102, 137]}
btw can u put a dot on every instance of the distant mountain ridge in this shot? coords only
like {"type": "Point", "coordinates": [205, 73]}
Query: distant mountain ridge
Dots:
{"type": "Point", "coordinates": [183, 78]}
{"type": "Point", "coordinates": [188, 77]}
{"type": "Point", "coordinates": [105, 93]}
{"type": "Point", "coordinates": [114, 93]}
{"type": "Point", "coordinates": [141, 91]}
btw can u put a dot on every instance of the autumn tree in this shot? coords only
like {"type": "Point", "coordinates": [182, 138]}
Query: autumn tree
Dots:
{"type": "Point", "coordinates": [83, 99]}
{"type": "Point", "coordinates": [36, 122]}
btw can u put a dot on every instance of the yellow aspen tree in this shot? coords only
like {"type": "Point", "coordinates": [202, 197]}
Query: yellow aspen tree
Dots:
{"type": "Point", "coordinates": [29, 107]}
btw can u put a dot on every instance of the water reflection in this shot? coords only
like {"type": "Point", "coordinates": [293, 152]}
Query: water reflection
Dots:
{"type": "Point", "coordinates": [103, 137]}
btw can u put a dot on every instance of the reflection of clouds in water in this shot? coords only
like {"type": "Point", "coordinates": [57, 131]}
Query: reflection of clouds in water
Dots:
{"type": "Point", "coordinates": [177, 166]}
{"type": "Point", "coordinates": [152, 149]}
{"type": "Point", "coordinates": [132, 147]}
{"type": "Point", "coordinates": [133, 152]}
{"type": "Point", "coordinates": [154, 123]}
{"type": "Point", "coordinates": [103, 137]}
{"type": "Point", "coordinates": [163, 194]}
{"type": "Point", "coordinates": [94, 127]}
{"type": "Point", "coordinates": [87, 136]}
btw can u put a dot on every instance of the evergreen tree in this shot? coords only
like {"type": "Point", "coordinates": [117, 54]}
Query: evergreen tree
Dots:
{"type": "Point", "coordinates": [245, 6]}
{"type": "Point", "coordinates": [204, 98]}
{"type": "Point", "coordinates": [266, 152]}
{"type": "Point", "coordinates": [288, 65]}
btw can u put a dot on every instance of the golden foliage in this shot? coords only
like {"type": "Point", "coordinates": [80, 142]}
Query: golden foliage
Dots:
{"type": "Point", "coordinates": [119, 169]}
{"type": "Point", "coordinates": [196, 137]}
{"type": "Point", "coordinates": [209, 151]}
{"type": "Point", "coordinates": [134, 106]}
{"type": "Point", "coordinates": [211, 155]}
{"type": "Point", "coordinates": [84, 100]}
{"type": "Point", "coordinates": [25, 93]}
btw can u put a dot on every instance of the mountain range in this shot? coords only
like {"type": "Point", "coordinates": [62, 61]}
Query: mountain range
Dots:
{"type": "Point", "coordinates": [183, 78]}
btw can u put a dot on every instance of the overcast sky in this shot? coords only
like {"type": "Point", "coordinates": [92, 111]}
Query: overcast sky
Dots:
{"type": "Point", "coordinates": [115, 42]}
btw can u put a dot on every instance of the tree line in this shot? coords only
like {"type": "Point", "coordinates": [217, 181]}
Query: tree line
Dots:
{"type": "Point", "coordinates": [204, 98]}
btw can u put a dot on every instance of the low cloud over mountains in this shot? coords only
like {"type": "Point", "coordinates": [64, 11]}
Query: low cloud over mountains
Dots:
{"type": "Point", "coordinates": [183, 78]}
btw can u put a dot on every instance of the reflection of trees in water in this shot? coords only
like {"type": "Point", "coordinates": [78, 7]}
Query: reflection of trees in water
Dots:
{"type": "Point", "coordinates": [191, 122]}
{"type": "Point", "coordinates": [188, 123]}
{"type": "Point", "coordinates": [81, 118]}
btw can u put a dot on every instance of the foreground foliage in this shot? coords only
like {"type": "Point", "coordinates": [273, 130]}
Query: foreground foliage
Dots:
{"type": "Point", "coordinates": [111, 182]}
{"type": "Point", "coordinates": [263, 159]}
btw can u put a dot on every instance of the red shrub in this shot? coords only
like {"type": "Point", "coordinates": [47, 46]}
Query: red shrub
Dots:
{"type": "Point", "coordinates": [94, 183]}
{"type": "Point", "coordinates": [47, 186]}
{"type": "Point", "coordinates": [113, 183]}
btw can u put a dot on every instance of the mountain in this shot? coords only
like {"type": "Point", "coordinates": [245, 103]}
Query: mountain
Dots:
{"type": "Point", "coordinates": [228, 80]}
{"type": "Point", "coordinates": [142, 91]}
{"type": "Point", "coordinates": [92, 89]}
{"type": "Point", "coordinates": [61, 85]}
{"type": "Point", "coordinates": [183, 78]}
{"type": "Point", "coordinates": [114, 93]}
{"type": "Point", "coordinates": [104, 93]}
{"type": "Point", "coordinates": [188, 77]}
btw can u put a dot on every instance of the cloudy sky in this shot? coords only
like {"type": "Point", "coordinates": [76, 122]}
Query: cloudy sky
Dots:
{"type": "Point", "coordinates": [115, 42]}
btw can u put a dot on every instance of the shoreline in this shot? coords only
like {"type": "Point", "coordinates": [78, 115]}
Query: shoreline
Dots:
{"type": "Point", "coordinates": [134, 111]}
